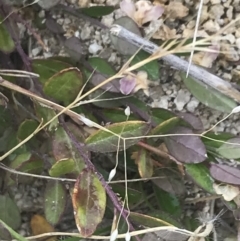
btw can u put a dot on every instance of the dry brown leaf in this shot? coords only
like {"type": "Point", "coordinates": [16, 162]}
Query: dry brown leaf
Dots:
{"type": "Point", "coordinates": [176, 10]}
{"type": "Point", "coordinates": [228, 192]}
{"type": "Point", "coordinates": [39, 225]}
{"type": "Point", "coordinates": [165, 33]}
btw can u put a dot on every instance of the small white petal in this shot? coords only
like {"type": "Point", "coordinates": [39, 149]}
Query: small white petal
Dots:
{"type": "Point", "coordinates": [236, 109]}
{"type": "Point", "coordinates": [112, 174]}
{"type": "Point", "coordinates": [127, 111]}
{"type": "Point", "coordinates": [114, 235]}
{"type": "Point", "coordinates": [127, 236]}
{"type": "Point", "coordinates": [86, 121]}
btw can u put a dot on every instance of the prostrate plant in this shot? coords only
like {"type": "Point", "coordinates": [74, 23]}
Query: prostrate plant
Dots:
{"type": "Point", "coordinates": [78, 122]}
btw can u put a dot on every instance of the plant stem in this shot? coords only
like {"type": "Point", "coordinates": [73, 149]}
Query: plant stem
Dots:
{"type": "Point", "coordinates": [83, 152]}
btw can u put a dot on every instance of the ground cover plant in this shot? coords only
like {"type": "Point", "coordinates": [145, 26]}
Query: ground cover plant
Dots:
{"type": "Point", "coordinates": [118, 166]}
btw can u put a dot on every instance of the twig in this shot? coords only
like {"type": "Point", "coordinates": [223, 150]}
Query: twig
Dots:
{"type": "Point", "coordinates": [82, 151]}
{"type": "Point", "coordinates": [201, 75]}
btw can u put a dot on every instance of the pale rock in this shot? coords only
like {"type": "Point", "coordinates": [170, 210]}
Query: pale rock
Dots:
{"type": "Point", "coordinates": [216, 11]}
{"type": "Point", "coordinates": [83, 3]}
{"type": "Point", "coordinates": [108, 20]}
{"type": "Point", "coordinates": [230, 53]}
{"type": "Point", "coordinates": [237, 33]}
{"type": "Point", "coordinates": [163, 103]}
{"type": "Point", "coordinates": [229, 13]}
{"type": "Point", "coordinates": [227, 76]}
{"type": "Point", "coordinates": [113, 57]}
{"type": "Point", "coordinates": [192, 105]}
{"type": "Point", "coordinates": [211, 26]}
{"type": "Point", "coordinates": [188, 33]}
{"type": "Point", "coordinates": [230, 37]}
{"type": "Point", "coordinates": [113, 2]}
{"type": "Point", "coordinates": [213, 2]}
{"type": "Point", "coordinates": [47, 55]}
{"type": "Point", "coordinates": [41, 14]}
{"type": "Point", "coordinates": [86, 32]}
{"type": "Point", "coordinates": [67, 21]}
{"type": "Point", "coordinates": [36, 51]}
{"type": "Point", "coordinates": [205, 2]}
{"type": "Point", "coordinates": [182, 99]}
{"type": "Point", "coordinates": [191, 24]}
{"type": "Point", "coordinates": [94, 48]}
{"type": "Point", "coordinates": [238, 43]}
{"type": "Point", "coordinates": [204, 14]}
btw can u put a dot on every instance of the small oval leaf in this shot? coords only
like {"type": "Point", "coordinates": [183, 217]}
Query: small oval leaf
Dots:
{"type": "Point", "coordinates": [89, 202]}
{"type": "Point", "coordinates": [224, 173]}
{"type": "Point", "coordinates": [9, 212]}
{"type": "Point", "coordinates": [6, 43]}
{"type": "Point", "coordinates": [64, 86]}
{"type": "Point", "coordinates": [229, 150]}
{"type": "Point", "coordinates": [104, 141]}
{"type": "Point", "coordinates": [201, 175]}
{"type": "Point", "coordinates": [208, 96]}
{"type": "Point", "coordinates": [186, 148]}
{"type": "Point", "coordinates": [55, 198]}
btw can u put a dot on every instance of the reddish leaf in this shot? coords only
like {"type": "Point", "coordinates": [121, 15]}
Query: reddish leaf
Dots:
{"type": "Point", "coordinates": [224, 173]}
{"type": "Point", "coordinates": [89, 202]}
{"type": "Point", "coordinates": [194, 121]}
{"type": "Point", "coordinates": [186, 148]}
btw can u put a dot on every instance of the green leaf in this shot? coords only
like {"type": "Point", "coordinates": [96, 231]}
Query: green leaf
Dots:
{"type": "Point", "coordinates": [13, 233]}
{"type": "Point", "coordinates": [62, 167]}
{"type": "Point", "coordinates": [6, 43]}
{"type": "Point", "coordinates": [104, 141]}
{"type": "Point", "coordinates": [224, 136]}
{"type": "Point", "coordinates": [46, 68]}
{"type": "Point", "coordinates": [201, 176]}
{"type": "Point", "coordinates": [89, 202]}
{"type": "Point", "coordinates": [27, 163]}
{"type": "Point", "coordinates": [46, 114]}
{"type": "Point", "coordinates": [144, 163]}
{"type": "Point", "coordinates": [26, 128]}
{"type": "Point", "coordinates": [55, 199]}
{"type": "Point", "coordinates": [64, 86]}
{"type": "Point", "coordinates": [9, 212]}
{"type": "Point", "coordinates": [230, 150]}
{"type": "Point", "coordinates": [160, 115]}
{"type": "Point", "coordinates": [101, 65]}
{"type": "Point", "coordinates": [149, 221]}
{"type": "Point", "coordinates": [97, 11]}
{"type": "Point", "coordinates": [134, 196]}
{"type": "Point", "coordinates": [168, 125]}
{"type": "Point", "coordinates": [152, 68]}
{"type": "Point", "coordinates": [168, 202]}
{"type": "Point", "coordinates": [116, 115]}
{"type": "Point", "coordinates": [208, 96]}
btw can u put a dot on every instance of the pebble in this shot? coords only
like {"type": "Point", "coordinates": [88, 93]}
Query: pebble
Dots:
{"type": "Point", "coordinates": [86, 32]}
{"type": "Point", "coordinates": [192, 105]}
{"type": "Point", "coordinates": [94, 48]}
{"type": "Point", "coordinates": [182, 99]}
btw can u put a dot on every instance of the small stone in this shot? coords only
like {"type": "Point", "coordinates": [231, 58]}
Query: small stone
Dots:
{"type": "Point", "coordinates": [36, 51]}
{"type": "Point", "coordinates": [163, 103]}
{"type": "Point", "coordinates": [229, 13]}
{"type": "Point", "coordinates": [182, 99]}
{"type": "Point", "coordinates": [213, 2]}
{"type": "Point", "coordinates": [108, 20]}
{"type": "Point", "coordinates": [86, 32]}
{"type": "Point", "coordinates": [216, 11]}
{"type": "Point", "coordinates": [211, 26]}
{"type": "Point", "coordinates": [67, 21]}
{"type": "Point", "coordinates": [41, 14]}
{"type": "Point", "coordinates": [94, 48]}
{"type": "Point", "coordinates": [192, 105]}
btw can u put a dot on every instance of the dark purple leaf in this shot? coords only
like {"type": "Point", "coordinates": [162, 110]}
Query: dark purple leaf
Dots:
{"type": "Point", "coordinates": [194, 121]}
{"type": "Point", "coordinates": [225, 173]}
{"type": "Point", "coordinates": [186, 148]}
{"type": "Point", "coordinates": [53, 26]}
